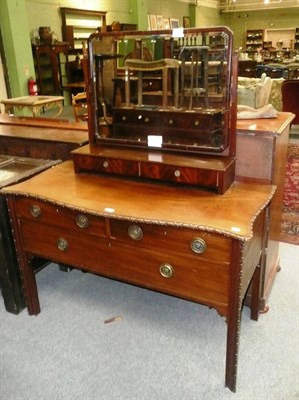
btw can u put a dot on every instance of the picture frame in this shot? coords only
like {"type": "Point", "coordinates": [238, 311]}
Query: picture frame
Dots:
{"type": "Point", "coordinates": [159, 22]}
{"type": "Point", "coordinates": [174, 23]}
{"type": "Point", "coordinates": [152, 22]}
{"type": "Point", "coordinates": [165, 23]}
{"type": "Point", "coordinates": [186, 22]}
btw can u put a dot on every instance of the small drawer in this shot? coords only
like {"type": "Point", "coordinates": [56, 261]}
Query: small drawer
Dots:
{"type": "Point", "coordinates": [171, 173]}
{"type": "Point", "coordinates": [186, 242]}
{"type": "Point", "coordinates": [105, 165]}
{"type": "Point", "coordinates": [50, 214]}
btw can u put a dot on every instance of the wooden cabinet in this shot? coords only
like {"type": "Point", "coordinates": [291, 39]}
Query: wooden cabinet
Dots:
{"type": "Point", "coordinates": [254, 41]}
{"type": "Point", "coordinates": [78, 25]}
{"type": "Point", "coordinates": [262, 147]}
{"type": "Point", "coordinates": [193, 244]}
{"type": "Point", "coordinates": [51, 67]}
{"type": "Point", "coordinates": [40, 138]}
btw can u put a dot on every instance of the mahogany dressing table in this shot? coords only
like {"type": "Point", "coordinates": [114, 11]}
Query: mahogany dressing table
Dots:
{"type": "Point", "coordinates": [152, 200]}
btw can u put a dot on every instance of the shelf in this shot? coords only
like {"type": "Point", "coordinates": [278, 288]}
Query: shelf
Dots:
{"type": "Point", "coordinates": [84, 21]}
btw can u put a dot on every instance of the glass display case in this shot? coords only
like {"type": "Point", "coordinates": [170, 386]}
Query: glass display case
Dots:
{"type": "Point", "coordinates": [162, 106]}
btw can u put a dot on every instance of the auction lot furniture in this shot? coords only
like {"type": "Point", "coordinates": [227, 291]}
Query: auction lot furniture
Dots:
{"type": "Point", "coordinates": [40, 137]}
{"type": "Point", "coordinates": [34, 103]}
{"type": "Point", "coordinates": [193, 244]}
{"type": "Point", "coordinates": [153, 200]}
{"type": "Point", "coordinates": [262, 146]}
{"type": "Point", "coordinates": [13, 170]}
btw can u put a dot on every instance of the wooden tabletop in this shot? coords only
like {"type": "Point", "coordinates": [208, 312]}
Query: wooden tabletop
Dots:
{"type": "Point", "coordinates": [42, 122]}
{"type": "Point", "coordinates": [265, 125]}
{"type": "Point", "coordinates": [48, 134]}
{"type": "Point", "coordinates": [231, 214]}
{"type": "Point", "coordinates": [32, 100]}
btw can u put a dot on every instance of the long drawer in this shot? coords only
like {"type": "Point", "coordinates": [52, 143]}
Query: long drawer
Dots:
{"type": "Point", "coordinates": [184, 262]}
{"type": "Point", "coordinates": [186, 277]}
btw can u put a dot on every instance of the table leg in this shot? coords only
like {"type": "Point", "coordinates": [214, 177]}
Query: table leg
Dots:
{"type": "Point", "coordinates": [234, 318]}
{"type": "Point", "coordinates": [26, 267]}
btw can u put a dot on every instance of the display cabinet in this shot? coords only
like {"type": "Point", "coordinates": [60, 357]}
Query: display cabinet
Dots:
{"type": "Point", "coordinates": [51, 67]}
{"type": "Point", "coordinates": [254, 40]}
{"type": "Point", "coordinates": [296, 43]}
{"type": "Point", "coordinates": [184, 131]}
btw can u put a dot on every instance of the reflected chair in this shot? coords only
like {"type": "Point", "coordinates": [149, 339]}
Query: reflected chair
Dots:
{"type": "Point", "coordinates": [79, 103]}
{"type": "Point", "coordinates": [290, 98]}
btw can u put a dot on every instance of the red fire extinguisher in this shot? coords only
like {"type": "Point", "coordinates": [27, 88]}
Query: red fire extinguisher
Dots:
{"type": "Point", "coordinates": [32, 87]}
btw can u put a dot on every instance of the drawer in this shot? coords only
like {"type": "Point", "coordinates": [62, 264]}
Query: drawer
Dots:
{"type": "Point", "coordinates": [172, 173]}
{"type": "Point", "coordinates": [106, 165]}
{"type": "Point", "coordinates": [187, 277]}
{"type": "Point", "coordinates": [42, 212]}
{"type": "Point", "coordinates": [209, 246]}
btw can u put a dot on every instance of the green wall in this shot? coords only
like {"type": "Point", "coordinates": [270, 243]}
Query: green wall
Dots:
{"type": "Point", "coordinates": [268, 19]}
{"type": "Point", "coordinates": [20, 17]}
{"type": "Point", "coordinates": [17, 46]}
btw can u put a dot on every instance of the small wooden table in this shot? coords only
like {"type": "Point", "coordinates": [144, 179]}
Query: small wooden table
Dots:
{"type": "Point", "coordinates": [34, 104]}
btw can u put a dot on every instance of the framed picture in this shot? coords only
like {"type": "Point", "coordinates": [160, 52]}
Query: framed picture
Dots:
{"type": "Point", "coordinates": [186, 22]}
{"type": "Point", "coordinates": [174, 23]}
{"type": "Point", "coordinates": [165, 23]}
{"type": "Point", "coordinates": [159, 22]}
{"type": "Point", "coordinates": [152, 21]}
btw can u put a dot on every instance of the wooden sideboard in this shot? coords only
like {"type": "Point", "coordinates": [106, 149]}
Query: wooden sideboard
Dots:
{"type": "Point", "coordinates": [40, 137]}
{"type": "Point", "coordinates": [180, 241]}
{"type": "Point", "coordinates": [262, 146]}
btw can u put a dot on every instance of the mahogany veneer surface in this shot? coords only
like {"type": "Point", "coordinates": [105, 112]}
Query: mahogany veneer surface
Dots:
{"type": "Point", "coordinates": [87, 221]}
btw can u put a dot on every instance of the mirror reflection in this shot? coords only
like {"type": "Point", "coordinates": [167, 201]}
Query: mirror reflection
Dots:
{"type": "Point", "coordinates": [173, 85]}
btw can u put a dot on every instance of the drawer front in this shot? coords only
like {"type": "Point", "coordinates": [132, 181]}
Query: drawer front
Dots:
{"type": "Point", "coordinates": [194, 279]}
{"type": "Point", "coordinates": [106, 165]}
{"type": "Point", "coordinates": [171, 173]}
{"type": "Point", "coordinates": [206, 246]}
{"type": "Point", "coordinates": [45, 213]}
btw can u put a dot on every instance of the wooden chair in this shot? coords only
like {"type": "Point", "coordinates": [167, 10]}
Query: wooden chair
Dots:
{"type": "Point", "coordinates": [79, 103]}
{"type": "Point", "coordinates": [290, 98]}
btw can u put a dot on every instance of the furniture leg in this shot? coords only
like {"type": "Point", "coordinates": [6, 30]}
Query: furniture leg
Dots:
{"type": "Point", "coordinates": [255, 294]}
{"type": "Point", "coordinates": [27, 271]}
{"type": "Point", "coordinates": [234, 319]}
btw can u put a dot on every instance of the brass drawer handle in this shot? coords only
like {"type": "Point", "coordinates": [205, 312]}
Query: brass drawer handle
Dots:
{"type": "Point", "coordinates": [198, 245]}
{"type": "Point", "coordinates": [82, 221]}
{"type": "Point", "coordinates": [35, 210]}
{"type": "Point", "coordinates": [135, 232]}
{"type": "Point", "coordinates": [62, 244]}
{"type": "Point", "coordinates": [166, 270]}
{"type": "Point", "coordinates": [105, 164]}
{"type": "Point", "coordinates": [177, 173]}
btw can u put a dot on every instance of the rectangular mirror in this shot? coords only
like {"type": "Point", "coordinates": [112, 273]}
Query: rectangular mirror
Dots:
{"type": "Point", "coordinates": [168, 90]}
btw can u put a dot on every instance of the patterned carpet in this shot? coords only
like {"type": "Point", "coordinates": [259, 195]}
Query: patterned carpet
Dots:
{"type": "Point", "coordinates": [290, 214]}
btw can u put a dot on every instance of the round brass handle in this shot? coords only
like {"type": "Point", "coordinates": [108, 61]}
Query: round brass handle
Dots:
{"type": "Point", "coordinates": [82, 221]}
{"type": "Point", "coordinates": [105, 164]}
{"type": "Point", "coordinates": [135, 232]}
{"type": "Point", "coordinates": [62, 244]}
{"type": "Point", "coordinates": [35, 210]}
{"type": "Point", "coordinates": [198, 245]}
{"type": "Point", "coordinates": [196, 123]}
{"type": "Point", "coordinates": [166, 270]}
{"type": "Point", "coordinates": [177, 173]}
